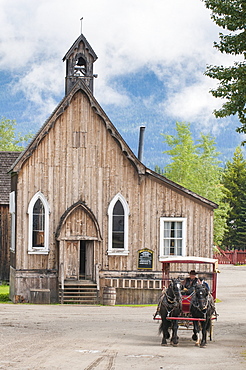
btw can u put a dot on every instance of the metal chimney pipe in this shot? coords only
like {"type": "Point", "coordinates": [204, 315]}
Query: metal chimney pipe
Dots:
{"type": "Point", "coordinates": [140, 144]}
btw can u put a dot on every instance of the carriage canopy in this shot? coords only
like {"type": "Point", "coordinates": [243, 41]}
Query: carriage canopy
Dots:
{"type": "Point", "coordinates": [207, 268]}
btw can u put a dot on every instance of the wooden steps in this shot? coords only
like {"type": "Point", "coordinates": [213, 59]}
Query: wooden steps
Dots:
{"type": "Point", "coordinates": [79, 291]}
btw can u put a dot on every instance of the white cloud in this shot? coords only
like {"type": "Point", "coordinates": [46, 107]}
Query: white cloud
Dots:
{"type": "Point", "coordinates": [191, 103]}
{"type": "Point", "coordinates": [112, 96]}
{"type": "Point", "coordinates": [174, 39]}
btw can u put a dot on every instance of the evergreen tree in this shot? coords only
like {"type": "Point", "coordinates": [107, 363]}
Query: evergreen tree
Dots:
{"type": "Point", "coordinates": [231, 16]}
{"type": "Point", "coordinates": [241, 224]}
{"type": "Point", "coordinates": [234, 180]}
{"type": "Point", "coordinates": [159, 170]}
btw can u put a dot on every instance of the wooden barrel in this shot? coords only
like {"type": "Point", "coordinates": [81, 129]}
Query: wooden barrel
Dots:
{"type": "Point", "coordinates": [109, 296]}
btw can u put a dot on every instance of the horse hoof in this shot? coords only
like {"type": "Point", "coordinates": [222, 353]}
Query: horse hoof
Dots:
{"type": "Point", "coordinates": [194, 337]}
{"type": "Point", "coordinates": [164, 344]}
{"type": "Point", "coordinates": [202, 345]}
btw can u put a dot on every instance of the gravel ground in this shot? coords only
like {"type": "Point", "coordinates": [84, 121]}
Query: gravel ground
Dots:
{"type": "Point", "coordinates": [72, 337]}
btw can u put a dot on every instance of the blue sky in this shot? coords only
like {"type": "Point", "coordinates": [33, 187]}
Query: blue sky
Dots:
{"type": "Point", "coordinates": [151, 62]}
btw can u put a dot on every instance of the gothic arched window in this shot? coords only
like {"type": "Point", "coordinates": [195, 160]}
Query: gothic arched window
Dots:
{"type": "Point", "coordinates": [38, 220]}
{"type": "Point", "coordinates": [118, 213]}
{"type": "Point", "coordinates": [38, 211]}
{"type": "Point", "coordinates": [118, 226]}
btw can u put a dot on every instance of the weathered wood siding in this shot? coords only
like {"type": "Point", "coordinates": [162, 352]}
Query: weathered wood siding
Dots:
{"type": "Point", "coordinates": [78, 224]}
{"type": "Point", "coordinates": [4, 242]}
{"type": "Point", "coordinates": [80, 160]}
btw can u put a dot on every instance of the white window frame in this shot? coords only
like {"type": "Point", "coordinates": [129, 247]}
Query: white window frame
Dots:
{"type": "Point", "coordinates": [118, 251]}
{"type": "Point", "coordinates": [45, 249]}
{"type": "Point", "coordinates": [12, 212]}
{"type": "Point", "coordinates": [184, 233]}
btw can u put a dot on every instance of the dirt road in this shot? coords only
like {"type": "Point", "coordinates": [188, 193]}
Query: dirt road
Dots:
{"type": "Point", "coordinates": [121, 338]}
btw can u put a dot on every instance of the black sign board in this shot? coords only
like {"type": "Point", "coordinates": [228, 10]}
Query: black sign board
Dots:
{"type": "Point", "coordinates": [145, 259]}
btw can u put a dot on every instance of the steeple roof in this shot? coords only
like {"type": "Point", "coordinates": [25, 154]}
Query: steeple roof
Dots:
{"type": "Point", "coordinates": [79, 64]}
{"type": "Point", "coordinates": [75, 46]}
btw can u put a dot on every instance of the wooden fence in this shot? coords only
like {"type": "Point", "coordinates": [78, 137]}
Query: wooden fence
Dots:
{"type": "Point", "coordinates": [234, 257]}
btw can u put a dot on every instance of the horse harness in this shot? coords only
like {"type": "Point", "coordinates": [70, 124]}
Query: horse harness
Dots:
{"type": "Point", "coordinates": [170, 303]}
{"type": "Point", "coordinates": [204, 309]}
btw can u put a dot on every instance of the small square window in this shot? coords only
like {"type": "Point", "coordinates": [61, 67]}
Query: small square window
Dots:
{"type": "Point", "coordinates": [172, 236]}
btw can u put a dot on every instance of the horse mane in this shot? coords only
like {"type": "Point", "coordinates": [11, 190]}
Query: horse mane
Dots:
{"type": "Point", "coordinates": [210, 306]}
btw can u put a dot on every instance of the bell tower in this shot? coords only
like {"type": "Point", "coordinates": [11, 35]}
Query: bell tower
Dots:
{"type": "Point", "coordinates": [79, 64]}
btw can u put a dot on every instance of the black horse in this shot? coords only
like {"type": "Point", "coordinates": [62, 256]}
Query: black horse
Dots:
{"type": "Point", "coordinates": [202, 307]}
{"type": "Point", "coordinates": [170, 305]}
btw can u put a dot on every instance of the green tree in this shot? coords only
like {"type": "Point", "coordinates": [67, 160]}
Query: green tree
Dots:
{"type": "Point", "coordinates": [207, 171]}
{"type": "Point", "coordinates": [241, 224]}
{"type": "Point", "coordinates": [234, 181]}
{"type": "Point", "coordinates": [231, 16]}
{"type": "Point", "coordinates": [184, 156]}
{"type": "Point", "coordinates": [196, 167]}
{"type": "Point", "coordinates": [8, 139]}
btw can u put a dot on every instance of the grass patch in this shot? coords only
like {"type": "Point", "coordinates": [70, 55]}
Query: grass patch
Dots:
{"type": "Point", "coordinates": [4, 293]}
{"type": "Point", "coordinates": [136, 305]}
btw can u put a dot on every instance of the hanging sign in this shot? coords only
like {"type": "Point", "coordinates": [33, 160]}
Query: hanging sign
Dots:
{"type": "Point", "coordinates": [145, 259]}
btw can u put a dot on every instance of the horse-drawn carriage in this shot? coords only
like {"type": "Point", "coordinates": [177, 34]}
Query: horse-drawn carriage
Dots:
{"type": "Point", "coordinates": [195, 309]}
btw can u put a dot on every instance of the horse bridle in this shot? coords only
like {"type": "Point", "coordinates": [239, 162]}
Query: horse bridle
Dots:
{"type": "Point", "coordinates": [174, 302]}
{"type": "Point", "coordinates": [196, 304]}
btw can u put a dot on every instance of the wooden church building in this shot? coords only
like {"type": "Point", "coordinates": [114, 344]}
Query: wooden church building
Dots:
{"type": "Point", "coordinates": [87, 214]}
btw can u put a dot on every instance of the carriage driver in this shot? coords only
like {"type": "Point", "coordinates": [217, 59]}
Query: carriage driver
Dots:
{"type": "Point", "coordinates": [190, 282]}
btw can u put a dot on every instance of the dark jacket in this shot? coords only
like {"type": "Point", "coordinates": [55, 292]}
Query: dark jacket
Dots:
{"type": "Point", "coordinates": [189, 285]}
